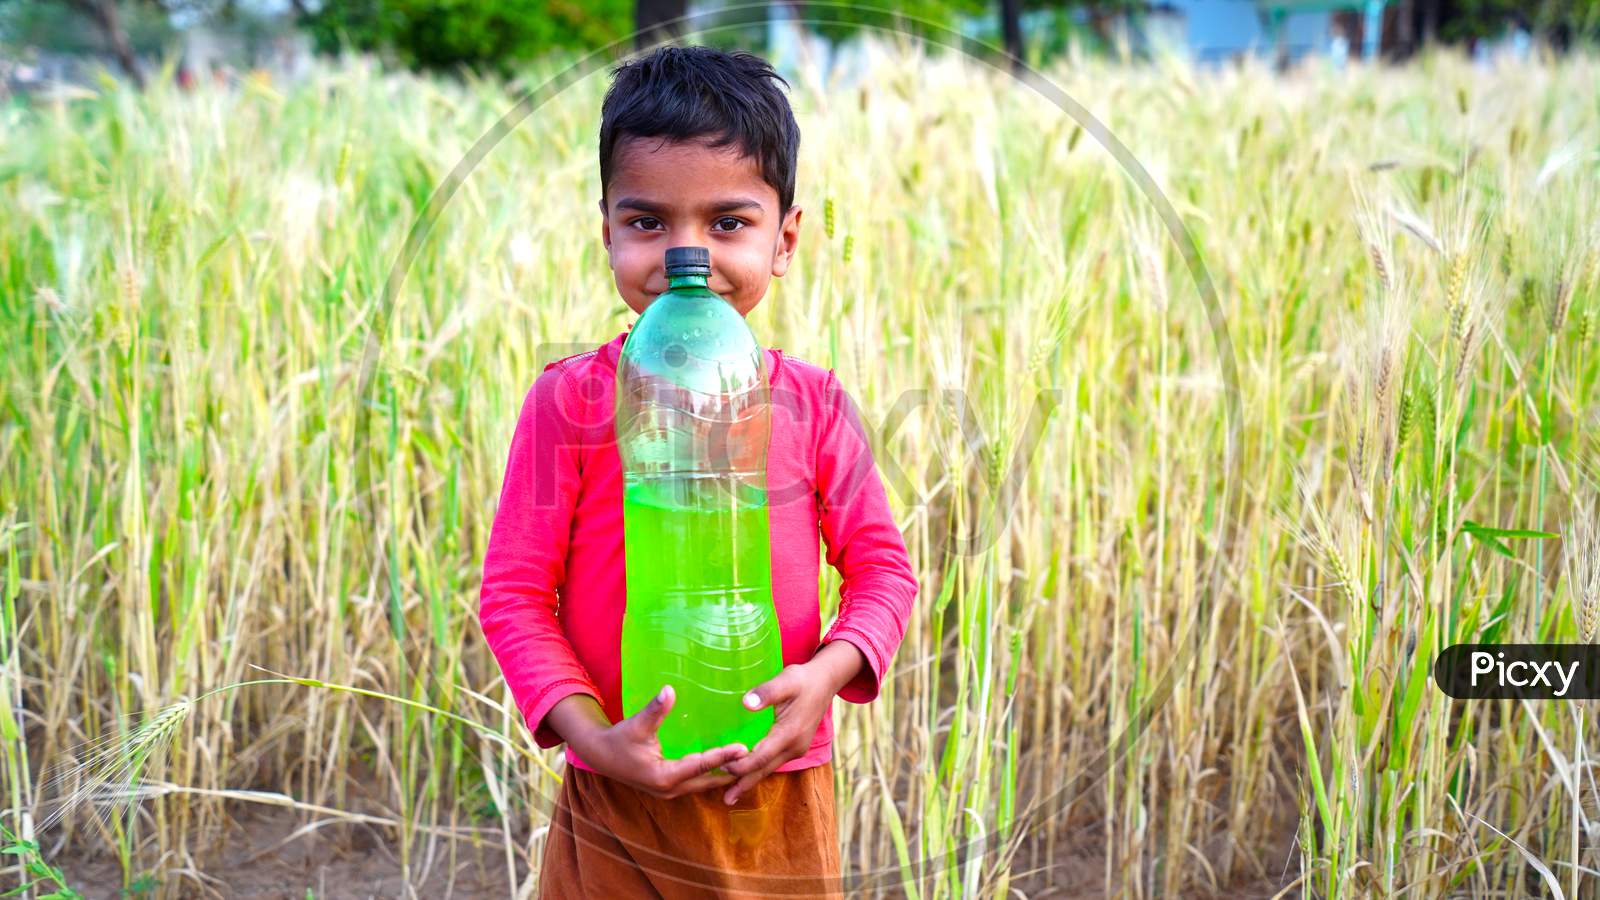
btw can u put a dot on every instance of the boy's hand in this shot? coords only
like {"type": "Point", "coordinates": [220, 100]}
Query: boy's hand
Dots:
{"type": "Point", "coordinates": [799, 696]}
{"type": "Point", "coordinates": [630, 752]}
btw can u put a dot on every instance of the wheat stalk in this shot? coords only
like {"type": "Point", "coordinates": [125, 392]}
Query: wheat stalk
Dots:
{"type": "Point", "coordinates": [1582, 547]}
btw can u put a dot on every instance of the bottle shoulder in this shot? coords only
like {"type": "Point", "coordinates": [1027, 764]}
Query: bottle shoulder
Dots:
{"type": "Point", "coordinates": [690, 303]}
{"type": "Point", "coordinates": [705, 327]}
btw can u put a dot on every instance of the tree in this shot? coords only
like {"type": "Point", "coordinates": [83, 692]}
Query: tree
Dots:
{"type": "Point", "coordinates": [651, 20]}
{"type": "Point", "coordinates": [122, 31]}
{"type": "Point", "coordinates": [447, 34]}
{"type": "Point", "coordinates": [1559, 21]}
{"type": "Point", "coordinates": [844, 23]}
{"type": "Point", "coordinates": [1011, 27]}
{"type": "Point", "coordinates": [104, 14]}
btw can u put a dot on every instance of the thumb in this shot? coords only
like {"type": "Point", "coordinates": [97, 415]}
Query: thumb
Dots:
{"type": "Point", "coordinates": [770, 692]}
{"type": "Point", "coordinates": [649, 719]}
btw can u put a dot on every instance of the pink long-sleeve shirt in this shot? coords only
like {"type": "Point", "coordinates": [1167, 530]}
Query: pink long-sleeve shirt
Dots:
{"type": "Point", "coordinates": [554, 585]}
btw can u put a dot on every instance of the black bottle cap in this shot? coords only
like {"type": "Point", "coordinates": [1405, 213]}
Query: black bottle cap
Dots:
{"type": "Point", "coordinates": [688, 261]}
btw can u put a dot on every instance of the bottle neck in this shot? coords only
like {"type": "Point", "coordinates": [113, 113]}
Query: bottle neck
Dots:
{"type": "Point", "coordinates": [680, 280]}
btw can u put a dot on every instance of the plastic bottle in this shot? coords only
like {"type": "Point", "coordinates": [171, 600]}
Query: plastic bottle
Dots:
{"type": "Point", "coordinates": [693, 420]}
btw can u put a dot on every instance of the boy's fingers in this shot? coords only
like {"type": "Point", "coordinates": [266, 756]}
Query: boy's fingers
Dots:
{"type": "Point", "coordinates": [649, 719]}
{"type": "Point", "coordinates": [773, 751]}
{"type": "Point", "coordinates": [732, 795]}
{"type": "Point", "coordinates": [767, 750]}
{"type": "Point", "coordinates": [702, 783]}
{"type": "Point", "coordinates": [697, 764]}
{"type": "Point", "coordinates": [779, 687]}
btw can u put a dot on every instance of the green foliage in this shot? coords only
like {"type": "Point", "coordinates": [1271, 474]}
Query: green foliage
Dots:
{"type": "Point", "coordinates": [143, 886]}
{"type": "Point", "coordinates": [444, 34]}
{"type": "Point", "coordinates": [64, 29]}
{"type": "Point", "coordinates": [741, 28]}
{"type": "Point", "coordinates": [41, 876]}
{"type": "Point", "coordinates": [843, 23]}
{"type": "Point", "coordinates": [1567, 19]}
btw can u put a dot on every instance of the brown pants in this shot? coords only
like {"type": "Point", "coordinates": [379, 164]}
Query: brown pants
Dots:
{"type": "Point", "coordinates": [608, 840]}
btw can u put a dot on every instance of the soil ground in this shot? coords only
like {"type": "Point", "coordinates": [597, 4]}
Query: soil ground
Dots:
{"type": "Point", "coordinates": [262, 860]}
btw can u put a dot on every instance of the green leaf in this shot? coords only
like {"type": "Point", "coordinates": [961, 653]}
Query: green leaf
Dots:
{"type": "Point", "coordinates": [1496, 623]}
{"type": "Point", "coordinates": [946, 591]}
{"type": "Point", "coordinates": [1488, 531]}
{"type": "Point", "coordinates": [897, 834]}
{"type": "Point", "coordinates": [212, 248]}
{"type": "Point", "coordinates": [1465, 423]}
{"type": "Point", "coordinates": [1494, 544]}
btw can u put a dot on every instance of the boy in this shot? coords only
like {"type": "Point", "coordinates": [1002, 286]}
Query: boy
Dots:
{"type": "Point", "coordinates": [697, 147]}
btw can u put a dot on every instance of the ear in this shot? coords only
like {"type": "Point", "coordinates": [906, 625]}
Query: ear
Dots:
{"type": "Point", "coordinates": [605, 225]}
{"type": "Point", "coordinates": [788, 242]}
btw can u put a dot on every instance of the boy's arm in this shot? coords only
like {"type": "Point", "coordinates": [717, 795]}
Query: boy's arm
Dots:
{"type": "Point", "coordinates": [526, 559]}
{"type": "Point", "coordinates": [864, 544]}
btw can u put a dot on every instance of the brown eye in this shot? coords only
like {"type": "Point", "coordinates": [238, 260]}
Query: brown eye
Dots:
{"type": "Point", "coordinates": [736, 223]}
{"type": "Point", "coordinates": [644, 219]}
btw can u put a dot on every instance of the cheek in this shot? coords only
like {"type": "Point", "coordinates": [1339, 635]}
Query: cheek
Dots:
{"type": "Point", "coordinates": [751, 264]}
{"type": "Point", "coordinates": [631, 265]}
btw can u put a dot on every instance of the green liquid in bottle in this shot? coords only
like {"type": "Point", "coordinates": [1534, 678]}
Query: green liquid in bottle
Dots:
{"type": "Point", "coordinates": [699, 616]}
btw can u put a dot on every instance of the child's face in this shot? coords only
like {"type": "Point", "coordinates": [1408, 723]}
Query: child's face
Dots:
{"type": "Point", "coordinates": [667, 193]}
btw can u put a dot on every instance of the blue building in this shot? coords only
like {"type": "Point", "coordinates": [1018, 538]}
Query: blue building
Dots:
{"type": "Point", "coordinates": [1208, 31]}
{"type": "Point", "coordinates": [1222, 29]}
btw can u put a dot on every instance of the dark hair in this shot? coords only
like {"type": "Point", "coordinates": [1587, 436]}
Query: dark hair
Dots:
{"type": "Point", "coordinates": [685, 93]}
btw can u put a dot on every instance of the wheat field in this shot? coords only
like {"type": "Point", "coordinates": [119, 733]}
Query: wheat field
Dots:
{"type": "Point", "coordinates": [1184, 564]}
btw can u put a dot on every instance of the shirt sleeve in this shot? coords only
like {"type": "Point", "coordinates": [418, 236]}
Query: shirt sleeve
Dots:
{"type": "Point", "coordinates": [525, 561]}
{"type": "Point", "coordinates": [863, 543]}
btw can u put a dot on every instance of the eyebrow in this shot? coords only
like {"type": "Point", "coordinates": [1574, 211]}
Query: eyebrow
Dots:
{"type": "Point", "coordinates": [721, 206]}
